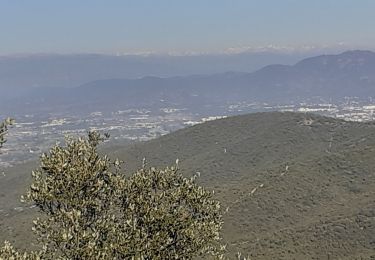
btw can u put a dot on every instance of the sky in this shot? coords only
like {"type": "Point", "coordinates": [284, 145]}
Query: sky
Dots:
{"type": "Point", "coordinates": [181, 26]}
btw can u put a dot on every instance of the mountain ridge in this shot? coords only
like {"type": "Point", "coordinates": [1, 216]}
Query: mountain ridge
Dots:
{"type": "Point", "coordinates": [331, 77]}
{"type": "Point", "coordinates": [306, 78]}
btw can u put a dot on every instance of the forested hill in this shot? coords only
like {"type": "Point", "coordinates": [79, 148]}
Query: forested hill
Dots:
{"type": "Point", "coordinates": [296, 186]}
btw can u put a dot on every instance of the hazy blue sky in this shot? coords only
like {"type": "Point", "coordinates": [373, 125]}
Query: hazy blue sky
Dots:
{"type": "Point", "coordinates": [180, 25]}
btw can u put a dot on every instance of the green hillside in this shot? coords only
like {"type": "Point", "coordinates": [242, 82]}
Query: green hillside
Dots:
{"type": "Point", "coordinates": [297, 186]}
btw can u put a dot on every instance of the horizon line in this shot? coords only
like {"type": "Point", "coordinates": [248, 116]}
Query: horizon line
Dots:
{"type": "Point", "coordinates": [239, 50]}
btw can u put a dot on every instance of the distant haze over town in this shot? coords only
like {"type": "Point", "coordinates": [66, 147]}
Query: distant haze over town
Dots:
{"type": "Point", "coordinates": [140, 70]}
{"type": "Point", "coordinates": [183, 80]}
{"type": "Point", "coordinates": [27, 71]}
{"type": "Point", "coordinates": [50, 69]}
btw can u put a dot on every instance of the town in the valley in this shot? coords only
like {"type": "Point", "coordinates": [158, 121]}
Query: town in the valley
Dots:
{"type": "Point", "coordinates": [33, 134]}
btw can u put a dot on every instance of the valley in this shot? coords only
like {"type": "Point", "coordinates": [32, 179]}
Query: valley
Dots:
{"type": "Point", "coordinates": [36, 133]}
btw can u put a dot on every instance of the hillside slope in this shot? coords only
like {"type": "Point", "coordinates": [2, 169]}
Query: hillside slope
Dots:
{"type": "Point", "coordinates": [314, 180]}
{"type": "Point", "coordinates": [297, 186]}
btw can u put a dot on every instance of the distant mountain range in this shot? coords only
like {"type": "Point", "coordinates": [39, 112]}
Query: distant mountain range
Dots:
{"type": "Point", "coordinates": [70, 70]}
{"type": "Point", "coordinates": [351, 73]}
{"type": "Point", "coordinates": [297, 186]}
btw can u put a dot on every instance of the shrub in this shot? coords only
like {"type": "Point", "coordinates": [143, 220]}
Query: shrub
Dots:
{"type": "Point", "coordinates": [90, 210]}
{"type": "Point", "coordinates": [4, 130]}
{"type": "Point", "coordinates": [7, 252]}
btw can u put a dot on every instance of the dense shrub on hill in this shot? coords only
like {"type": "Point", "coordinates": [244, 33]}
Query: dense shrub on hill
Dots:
{"type": "Point", "coordinates": [90, 210]}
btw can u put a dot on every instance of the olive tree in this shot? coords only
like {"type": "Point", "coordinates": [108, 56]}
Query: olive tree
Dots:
{"type": "Point", "coordinates": [7, 252]}
{"type": "Point", "coordinates": [4, 129]}
{"type": "Point", "coordinates": [91, 210]}
{"type": "Point", "coordinates": [168, 216]}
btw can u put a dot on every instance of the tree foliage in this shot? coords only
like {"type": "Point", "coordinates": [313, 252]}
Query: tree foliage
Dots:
{"type": "Point", "coordinates": [4, 129]}
{"type": "Point", "coordinates": [91, 210]}
{"type": "Point", "coordinates": [7, 252]}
